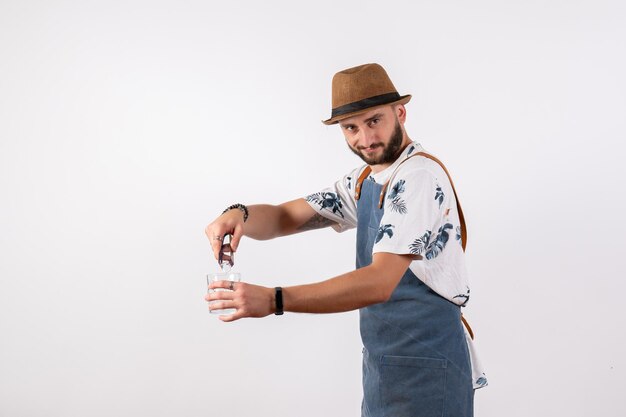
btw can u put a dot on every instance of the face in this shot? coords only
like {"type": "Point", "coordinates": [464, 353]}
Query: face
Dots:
{"type": "Point", "coordinates": [377, 136]}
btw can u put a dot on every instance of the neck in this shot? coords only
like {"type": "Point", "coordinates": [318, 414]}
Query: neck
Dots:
{"type": "Point", "coordinates": [381, 167]}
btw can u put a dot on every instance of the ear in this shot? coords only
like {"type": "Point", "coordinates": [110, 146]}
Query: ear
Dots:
{"type": "Point", "coordinates": [400, 112]}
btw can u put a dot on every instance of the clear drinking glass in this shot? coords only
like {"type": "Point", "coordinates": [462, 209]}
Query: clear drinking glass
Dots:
{"type": "Point", "coordinates": [221, 276]}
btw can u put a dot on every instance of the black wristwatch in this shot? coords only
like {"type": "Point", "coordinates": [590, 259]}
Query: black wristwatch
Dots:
{"type": "Point", "coordinates": [278, 296]}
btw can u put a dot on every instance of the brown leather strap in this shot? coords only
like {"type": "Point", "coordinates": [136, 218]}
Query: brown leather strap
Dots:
{"type": "Point", "coordinates": [383, 192]}
{"type": "Point", "coordinates": [467, 326]}
{"type": "Point", "coordinates": [366, 172]}
{"type": "Point", "coordinates": [359, 182]}
{"type": "Point", "coordinates": [458, 204]}
{"type": "Point", "coordinates": [458, 207]}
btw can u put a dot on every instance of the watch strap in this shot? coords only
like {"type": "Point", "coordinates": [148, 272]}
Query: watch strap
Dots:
{"type": "Point", "coordinates": [278, 297]}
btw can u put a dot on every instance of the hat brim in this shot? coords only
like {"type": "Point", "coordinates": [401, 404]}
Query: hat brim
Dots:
{"type": "Point", "coordinates": [334, 120]}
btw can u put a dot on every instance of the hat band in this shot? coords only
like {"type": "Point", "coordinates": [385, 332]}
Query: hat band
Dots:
{"type": "Point", "coordinates": [365, 104]}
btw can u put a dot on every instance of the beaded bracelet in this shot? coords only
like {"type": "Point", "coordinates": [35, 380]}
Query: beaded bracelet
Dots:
{"type": "Point", "coordinates": [240, 207]}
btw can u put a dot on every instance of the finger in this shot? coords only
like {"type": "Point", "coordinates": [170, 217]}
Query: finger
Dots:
{"type": "Point", "coordinates": [230, 317]}
{"type": "Point", "coordinates": [237, 234]}
{"type": "Point", "coordinates": [210, 234]}
{"type": "Point", "coordinates": [224, 284]}
{"type": "Point", "coordinates": [216, 243]}
{"type": "Point", "coordinates": [219, 296]}
{"type": "Point", "coordinates": [216, 246]}
{"type": "Point", "coordinates": [221, 305]}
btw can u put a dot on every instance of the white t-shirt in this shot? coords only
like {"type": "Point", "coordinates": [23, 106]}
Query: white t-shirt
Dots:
{"type": "Point", "coordinates": [420, 218]}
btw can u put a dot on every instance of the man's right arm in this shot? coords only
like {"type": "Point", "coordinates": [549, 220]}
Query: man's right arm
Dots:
{"type": "Point", "coordinates": [265, 222]}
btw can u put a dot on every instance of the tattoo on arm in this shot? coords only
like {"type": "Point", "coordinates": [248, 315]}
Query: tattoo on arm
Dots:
{"type": "Point", "coordinates": [316, 222]}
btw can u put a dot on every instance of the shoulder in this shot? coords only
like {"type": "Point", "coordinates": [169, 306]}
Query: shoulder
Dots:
{"type": "Point", "coordinates": [420, 165]}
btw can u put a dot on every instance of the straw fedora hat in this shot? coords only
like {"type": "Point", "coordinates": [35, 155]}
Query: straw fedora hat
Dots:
{"type": "Point", "coordinates": [358, 89]}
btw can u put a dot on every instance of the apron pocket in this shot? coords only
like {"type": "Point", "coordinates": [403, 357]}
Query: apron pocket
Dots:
{"type": "Point", "coordinates": [413, 386]}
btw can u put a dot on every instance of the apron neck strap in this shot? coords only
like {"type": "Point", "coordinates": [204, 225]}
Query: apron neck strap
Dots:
{"type": "Point", "coordinates": [359, 182]}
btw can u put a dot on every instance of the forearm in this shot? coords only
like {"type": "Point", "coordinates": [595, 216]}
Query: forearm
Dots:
{"type": "Point", "coordinates": [346, 292]}
{"type": "Point", "coordinates": [267, 221]}
{"type": "Point", "coordinates": [264, 222]}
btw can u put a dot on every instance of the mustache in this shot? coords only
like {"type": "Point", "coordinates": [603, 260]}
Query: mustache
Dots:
{"type": "Point", "coordinates": [372, 146]}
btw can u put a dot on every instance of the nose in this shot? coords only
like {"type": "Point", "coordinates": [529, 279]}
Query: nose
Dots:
{"type": "Point", "coordinates": [367, 136]}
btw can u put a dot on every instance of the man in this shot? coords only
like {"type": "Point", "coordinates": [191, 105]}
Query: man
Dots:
{"type": "Point", "coordinates": [410, 281]}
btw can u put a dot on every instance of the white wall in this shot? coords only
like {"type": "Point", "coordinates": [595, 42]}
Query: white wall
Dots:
{"type": "Point", "coordinates": [126, 127]}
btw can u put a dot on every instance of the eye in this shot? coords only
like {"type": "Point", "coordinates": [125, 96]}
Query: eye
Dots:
{"type": "Point", "coordinates": [374, 122]}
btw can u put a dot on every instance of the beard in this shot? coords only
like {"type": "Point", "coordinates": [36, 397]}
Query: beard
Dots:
{"type": "Point", "coordinates": [391, 151]}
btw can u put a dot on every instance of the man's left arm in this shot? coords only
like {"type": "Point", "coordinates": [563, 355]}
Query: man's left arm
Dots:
{"type": "Point", "coordinates": [350, 291]}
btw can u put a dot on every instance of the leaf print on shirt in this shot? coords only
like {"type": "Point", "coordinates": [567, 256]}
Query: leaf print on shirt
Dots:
{"type": "Point", "coordinates": [419, 245]}
{"type": "Point", "coordinates": [397, 189]}
{"type": "Point", "coordinates": [458, 234]}
{"type": "Point", "coordinates": [434, 248]}
{"type": "Point", "coordinates": [384, 230]}
{"type": "Point", "coordinates": [349, 183]}
{"type": "Point", "coordinates": [396, 202]}
{"type": "Point", "coordinates": [328, 201]}
{"type": "Point", "coordinates": [411, 149]}
{"type": "Point", "coordinates": [464, 298]}
{"type": "Point", "coordinates": [439, 195]}
{"type": "Point", "coordinates": [482, 381]}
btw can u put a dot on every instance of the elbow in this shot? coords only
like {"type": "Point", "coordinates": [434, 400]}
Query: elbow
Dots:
{"type": "Point", "coordinates": [385, 273]}
{"type": "Point", "coordinates": [387, 295]}
{"type": "Point", "coordinates": [381, 294]}
{"type": "Point", "coordinates": [382, 285]}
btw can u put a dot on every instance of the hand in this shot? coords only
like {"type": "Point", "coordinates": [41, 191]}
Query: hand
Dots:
{"type": "Point", "coordinates": [249, 300]}
{"type": "Point", "coordinates": [229, 222]}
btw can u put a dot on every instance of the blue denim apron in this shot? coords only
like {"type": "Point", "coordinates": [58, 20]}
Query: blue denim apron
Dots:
{"type": "Point", "coordinates": [415, 357]}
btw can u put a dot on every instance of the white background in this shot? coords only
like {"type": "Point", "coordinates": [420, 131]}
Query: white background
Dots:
{"type": "Point", "coordinates": [126, 127]}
